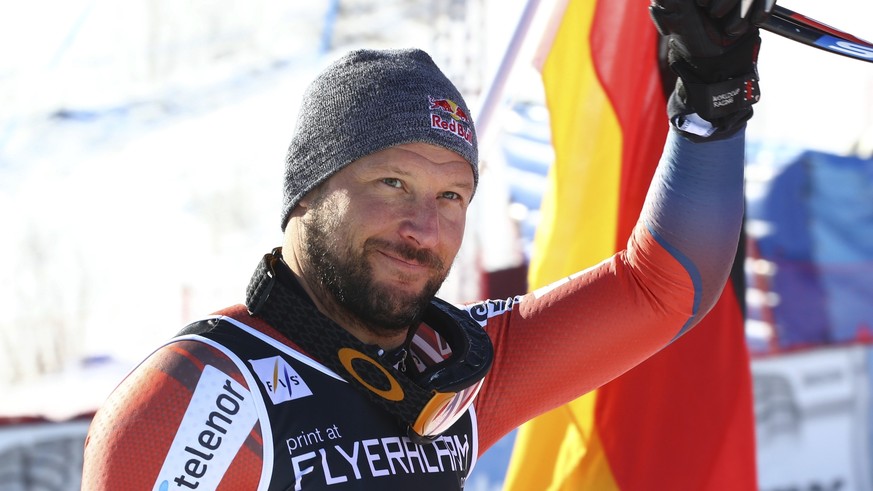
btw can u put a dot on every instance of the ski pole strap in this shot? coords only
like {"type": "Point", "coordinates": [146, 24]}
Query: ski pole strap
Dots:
{"type": "Point", "coordinates": [720, 99]}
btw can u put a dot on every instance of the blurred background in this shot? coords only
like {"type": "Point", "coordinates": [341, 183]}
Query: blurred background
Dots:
{"type": "Point", "coordinates": [141, 158]}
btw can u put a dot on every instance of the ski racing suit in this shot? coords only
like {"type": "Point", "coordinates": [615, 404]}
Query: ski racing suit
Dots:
{"type": "Point", "coordinates": [234, 404]}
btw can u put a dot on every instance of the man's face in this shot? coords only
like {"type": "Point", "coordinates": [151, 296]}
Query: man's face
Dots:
{"type": "Point", "coordinates": [381, 235]}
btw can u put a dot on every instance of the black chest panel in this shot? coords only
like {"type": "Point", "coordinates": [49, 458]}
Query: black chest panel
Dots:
{"type": "Point", "coordinates": [326, 435]}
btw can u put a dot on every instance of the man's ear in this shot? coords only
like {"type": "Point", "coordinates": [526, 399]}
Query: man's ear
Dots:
{"type": "Point", "coordinates": [304, 204]}
{"type": "Point", "coordinates": [308, 200]}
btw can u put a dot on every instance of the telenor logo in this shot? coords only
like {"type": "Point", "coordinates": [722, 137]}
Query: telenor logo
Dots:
{"type": "Point", "coordinates": [281, 381]}
{"type": "Point", "coordinates": [219, 418]}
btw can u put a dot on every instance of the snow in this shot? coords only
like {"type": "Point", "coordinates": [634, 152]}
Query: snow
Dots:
{"type": "Point", "coordinates": [137, 193]}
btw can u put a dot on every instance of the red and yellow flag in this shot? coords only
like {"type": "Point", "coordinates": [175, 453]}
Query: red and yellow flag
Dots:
{"type": "Point", "coordinates": [682, 420]}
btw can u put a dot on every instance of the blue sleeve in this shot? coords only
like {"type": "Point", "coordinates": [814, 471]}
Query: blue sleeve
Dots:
{"type": "Point", "coordinates": [695, 208]}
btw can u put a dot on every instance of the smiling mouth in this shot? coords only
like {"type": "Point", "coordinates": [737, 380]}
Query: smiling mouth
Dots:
{"type": "Point", "coordinates": [410, 257]}
{"type": "Point", "coordinates": [405, 261]}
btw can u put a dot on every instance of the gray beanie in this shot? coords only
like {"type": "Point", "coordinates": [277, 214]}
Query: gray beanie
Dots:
{"type": "Point", "coordinates": [368, 101]}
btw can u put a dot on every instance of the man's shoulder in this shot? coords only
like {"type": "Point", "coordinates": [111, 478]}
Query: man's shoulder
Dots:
{"type": "Point", "coordinates": [239, 315]}
{"type": "Point", "coordinates": [139, 422]}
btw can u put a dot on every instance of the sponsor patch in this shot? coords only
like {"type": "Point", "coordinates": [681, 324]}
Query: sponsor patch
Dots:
{"type": "Point", "coordinates": [446, 115]}
{"type": "Point", "coordinates": [482, 311]}
{"type": "Point", "coordinates": [281, 381]}
{"type": "Point", "coordinates": [219, 418]}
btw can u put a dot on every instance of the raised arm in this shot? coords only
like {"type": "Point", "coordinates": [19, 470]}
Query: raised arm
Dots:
{"type": "Point", "coordinates": [561, 341]}
{"type": "Point", "coordinates": [566, 339]}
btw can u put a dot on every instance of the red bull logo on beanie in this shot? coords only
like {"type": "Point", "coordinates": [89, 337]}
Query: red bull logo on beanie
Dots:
{"type": "Point", "coordinates": [447, 115]}
{"type": "Point", "coordinates": [451, 107]}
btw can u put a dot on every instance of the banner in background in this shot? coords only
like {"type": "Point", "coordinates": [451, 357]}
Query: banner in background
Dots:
{"type": "Point", "coordinates": [811, 231]}
{"type": "Point", "coordinates": [683, 419]}
{"type": "Point", "coordinates": [813, 419]}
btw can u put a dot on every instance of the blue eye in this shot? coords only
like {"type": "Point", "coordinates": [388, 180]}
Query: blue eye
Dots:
{"type": "Point", "coordinates": [393, 182]}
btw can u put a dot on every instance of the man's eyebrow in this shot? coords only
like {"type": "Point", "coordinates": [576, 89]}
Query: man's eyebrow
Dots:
{"type": "Point", "coordinates": [464, 184]}
{"type": "Point", "coordinates": [392, 167]}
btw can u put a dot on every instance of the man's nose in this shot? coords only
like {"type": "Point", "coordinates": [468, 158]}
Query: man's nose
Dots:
{"type": "Point", "coordinates": [422, 224]}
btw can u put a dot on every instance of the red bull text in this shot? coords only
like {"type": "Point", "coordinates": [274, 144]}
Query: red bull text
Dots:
{"type": "Point", "coordinates": [458, 124]}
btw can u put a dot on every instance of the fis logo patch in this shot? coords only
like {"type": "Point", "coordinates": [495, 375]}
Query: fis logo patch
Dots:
{"type": "Point", "coordinates": [281, 381]}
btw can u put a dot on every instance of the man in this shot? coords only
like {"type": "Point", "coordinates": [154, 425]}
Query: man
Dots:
{"type": "Point", "coordinates": [342, 371]}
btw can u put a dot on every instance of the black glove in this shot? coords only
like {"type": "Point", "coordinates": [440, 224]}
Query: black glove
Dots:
{"type": "Point", "coordinates": [713, 48]}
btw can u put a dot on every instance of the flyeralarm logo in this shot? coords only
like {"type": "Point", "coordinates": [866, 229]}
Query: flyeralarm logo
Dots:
{"type": "Point", "coordinates": [219, 418]}
{"type": "Point", "coordinates": [447, 115]}
{"type": "Point", "coordinates": [281, 381]}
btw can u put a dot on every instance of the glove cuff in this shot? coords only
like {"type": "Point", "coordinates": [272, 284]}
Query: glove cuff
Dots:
{"type": "Point", "coordinates": [718, 100]}
{"type": "Point", "coordinates": [725, 106]}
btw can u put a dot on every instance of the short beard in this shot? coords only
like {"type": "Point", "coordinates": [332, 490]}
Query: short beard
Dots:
{"type": "Point", "coordinates": [345, 274]}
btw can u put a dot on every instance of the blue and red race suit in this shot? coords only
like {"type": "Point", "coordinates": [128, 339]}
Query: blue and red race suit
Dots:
{"type": "Point", "coordinates": [248, 409]}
